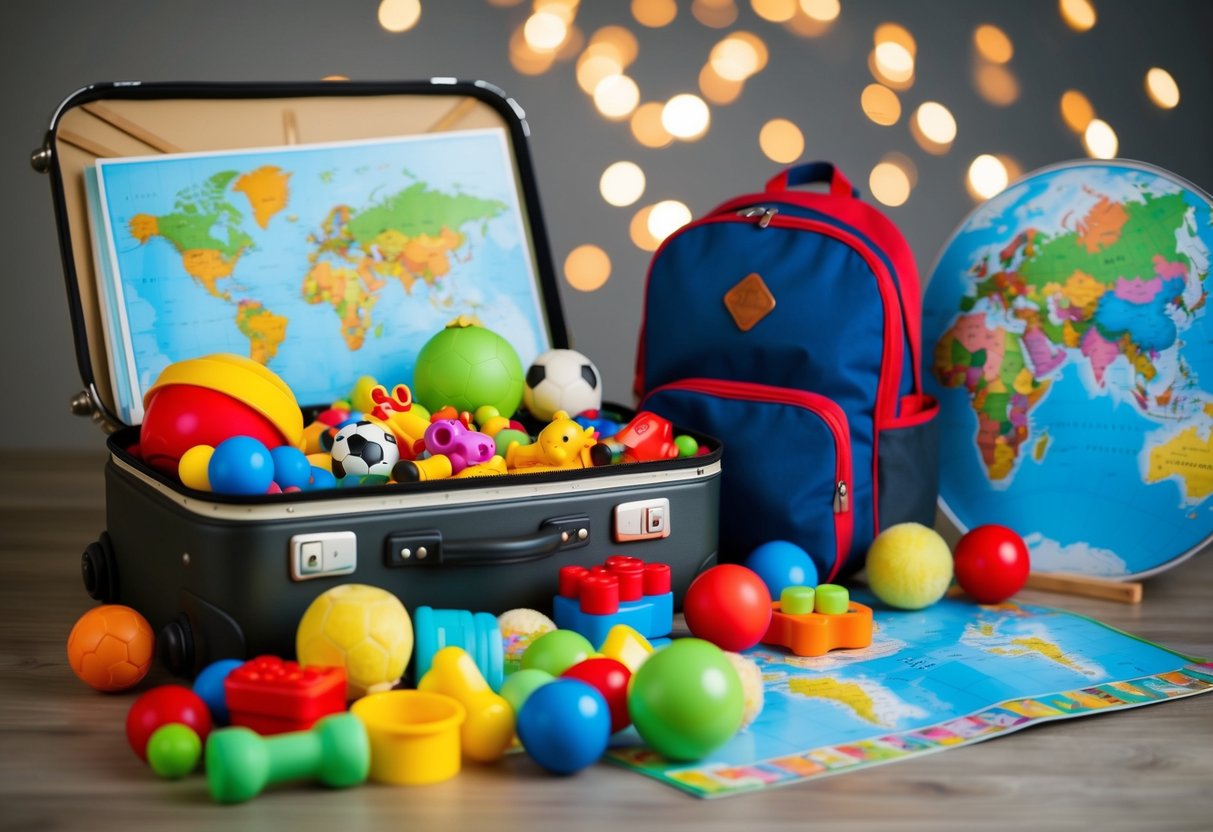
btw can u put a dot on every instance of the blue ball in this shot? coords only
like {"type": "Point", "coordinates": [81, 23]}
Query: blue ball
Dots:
{"type": "Point", "coordinates": [241, 465]}
{"type": "Point", "coordinates": [321, 479]}
{"type": "Point", "coordinates": [564, 725]}
{"type": "Point", "coordinates": [291, 467]}
{"type": "Point", "coordinates": [209, 687]}
{"type": "Point", "coordinates": [781, 564]}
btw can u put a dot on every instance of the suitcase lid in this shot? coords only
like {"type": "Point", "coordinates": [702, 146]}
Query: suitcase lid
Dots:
{"type": "Point", "coordinates": [326, 229]}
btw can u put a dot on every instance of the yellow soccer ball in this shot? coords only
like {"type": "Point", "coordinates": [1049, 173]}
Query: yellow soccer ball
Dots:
{"type": "Point", "coordinates": [362, 628]}
{"type": "Point", "coordinates": [909, 566]}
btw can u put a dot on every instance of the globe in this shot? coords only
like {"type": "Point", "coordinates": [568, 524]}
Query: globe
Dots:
{"type": "Point", "coordinates": [1067, 337]}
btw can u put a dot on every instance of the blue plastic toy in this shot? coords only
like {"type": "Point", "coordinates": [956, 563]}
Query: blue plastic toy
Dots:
{"type": "Point", "coordinates": [209, 687]}
{"type": "Point", "coordinates": [477, 633]}
{"type": "Point", "coordinates": [564, 725]}
{"type": "Point", "coordinates": [240, 465]}
{"type": "Point", "coordinates": [321, 479]}
{"type": "Point", "coordinates": [781, 564]}
{"type": "Point", "coordinates": [291, 467]}
{"type": "Point", "coordinates": [624, 590]}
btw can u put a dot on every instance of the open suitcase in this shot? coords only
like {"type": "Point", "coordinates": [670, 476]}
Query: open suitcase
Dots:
{"type": "Point", "coordinates": [231, 576]}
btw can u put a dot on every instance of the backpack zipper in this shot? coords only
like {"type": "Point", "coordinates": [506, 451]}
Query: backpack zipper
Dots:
{"type": "Point", "coordinates": [767, 214]}
{"type": "Point", "coordinates": [821, 406]}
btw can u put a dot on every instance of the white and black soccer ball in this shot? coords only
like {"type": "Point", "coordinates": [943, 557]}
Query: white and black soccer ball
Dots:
{"type": "Point", "coordinates": [561, 380]}
{"type": "Point", "coordinates": [364, 449]}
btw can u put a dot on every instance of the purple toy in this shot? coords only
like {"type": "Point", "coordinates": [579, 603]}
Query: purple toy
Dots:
{"type": "Point", "coordinates": [463, 447]}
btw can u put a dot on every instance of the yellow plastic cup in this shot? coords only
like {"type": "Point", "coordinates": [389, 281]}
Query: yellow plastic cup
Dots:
{"type": "Point", "coordinates": [414, 736]}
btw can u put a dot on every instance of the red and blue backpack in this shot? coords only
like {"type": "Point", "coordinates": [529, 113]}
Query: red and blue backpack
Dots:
{"type": "Point", "coordinates": [787, 323]}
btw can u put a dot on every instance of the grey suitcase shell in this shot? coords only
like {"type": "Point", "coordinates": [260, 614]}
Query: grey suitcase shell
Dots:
{"type": "Point", "coordinates": [225, 577]}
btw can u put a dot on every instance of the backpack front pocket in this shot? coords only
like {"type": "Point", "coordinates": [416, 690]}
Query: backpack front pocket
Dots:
{"type": "Point", "coordinates": [786, 465]}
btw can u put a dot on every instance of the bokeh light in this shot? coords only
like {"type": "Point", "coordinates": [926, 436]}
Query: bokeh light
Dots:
{"type": "Point", "coordinates": [1076, 110]}
{"type": "Point", "coordinates": [987, 176]}
{"type": "Point", "coordinates": [993, 44]}
{"type": "Point", "coordinates": [525, 59]}
{"type": "Point", "coordinates": [638, 230]}
{"type": "Point", "coordinates": [716, 89]}
{"type": "Point", "coordinates": [616, 96]}
{"type": "Point", "coordinates": [893, 63]}
{"type": "Point", "coordinates": [593, 66]}
{"type": "Point", "coordinates": [823, 10]}
{"type": "Point", "coordinates": [781, 141]}
{"type": "Point", "coordinates": [335, 78]}
{"type": "Point", "coordinates": [757, 44]}
{"type": "Point", "coordinates": [716, 14]}
{"type": "Point", "coordinates": [889, 183]}
{"type": "Point", "coordinates": [880, 104]}
{"type": "Point", "coordinates": [1161, 88]}
{"type": "Point", "coordinates": [647, 127]}
{"type": "Point", "coordinates": [686, 116]}
{"type": "Point", "coordinates": [545, 31]}
{"type": "Point", "coordinates": [587, 268]}
{"type": "Point", "coordinates": [566, 10]}
{"type": "Point", "coordinates": [1079, 15]}
{"type": "Point", "coordinates": [399, 15]}
{"type": "Point", "coordinates": [615, 40]}
{"type": "Point", "coordinates": [996, 84]}
{"type": "Point", "coordinates": [895, 33]}
{"type": "Point", "coordinates": [668, 216]}
{"type": "Point", "coordinates": [776, 11]}
{"type": "Point", "coordinates": [622, 183]}
{"type": "Point", "coordinates": [1100, 140]}
{"type": "Point", "coordinates": [734, 59]}
{"type": "Point", "coordinates": [654, 13]}
{"type": "Point", "coordinates": [934, 127]}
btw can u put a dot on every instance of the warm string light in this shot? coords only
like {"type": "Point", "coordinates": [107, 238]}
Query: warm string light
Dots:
{"type": "Point", "coordinates": [775, 11]}
{"type": "Point", "coordinates": [399, 15]}
{"type": "Point", "coordinates": [647, 127]}
{"type": "Point", "coordinates": [1079, 15]}
{"type": "Point", "coordinates": [587, 268]}
{"type": "Point", "coordinates": [715, 14]}
{"type": "Point", "coordinates": [1076, 110]}
{"type": "Point", "coordinates": [654, 13]}
{"type": "Point", "coordinates": [1100, 140]}
{"type": "Point", "coordinates": [890, 182]}
{"type": "Point", "coordinates": [668, 216]}
{"type": "Point", "coordinates": [622, 183]}
{"type": "Point", "coordinates": [934, 127]}
{"type": "Point", "coordinates": [686, 117]}
{"type": "Point", "coordinates": [781, 141]}
{"type": "Point", "coordinates": [616, 96]}
{"type": "Point", "coordinates": [1161, 88]}
{"type": "Point", "coordinates": [987, 176]}
{"type": "Point", "coordinates": [880, 104]}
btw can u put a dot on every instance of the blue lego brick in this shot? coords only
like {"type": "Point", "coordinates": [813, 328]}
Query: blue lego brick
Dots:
{"type": "Point", "coordinates": [652, 616]}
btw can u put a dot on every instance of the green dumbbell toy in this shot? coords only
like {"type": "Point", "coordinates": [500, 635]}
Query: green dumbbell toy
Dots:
{"type": "Point", "coordinates": [240, 763]}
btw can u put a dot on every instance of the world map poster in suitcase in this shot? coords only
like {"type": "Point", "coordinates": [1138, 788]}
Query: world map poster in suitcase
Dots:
{"type": "Point", "coordinates": [325, 231]}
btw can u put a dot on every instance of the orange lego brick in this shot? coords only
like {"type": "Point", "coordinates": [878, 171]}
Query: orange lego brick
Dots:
{"type": "Point", "coordinates": [815, 634]}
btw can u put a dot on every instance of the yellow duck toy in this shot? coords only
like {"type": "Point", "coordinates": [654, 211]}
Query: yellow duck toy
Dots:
{"type": "Point", "coordinates": [562, 444]}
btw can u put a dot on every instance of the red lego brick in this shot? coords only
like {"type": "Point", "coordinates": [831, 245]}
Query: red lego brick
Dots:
{"type": "Point", "coordinates": [273, 696]}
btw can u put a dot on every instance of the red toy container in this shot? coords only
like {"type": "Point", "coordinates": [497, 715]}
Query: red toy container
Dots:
{"type": "Point", "coordinates": [272, 696]}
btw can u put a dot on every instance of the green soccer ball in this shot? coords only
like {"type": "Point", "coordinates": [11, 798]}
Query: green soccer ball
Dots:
{"type": "Point", "coordinates": [468, 367]}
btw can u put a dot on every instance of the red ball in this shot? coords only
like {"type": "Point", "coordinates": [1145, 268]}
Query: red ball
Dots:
{"type": "Point", "coordinates": [161, 706]}
{"type": "Point", "coordinates": [180, 416]}
{"type": "Point", "coordinates": [610, 678]}
{"type": "Point", "coordinates": [729, 606]}
{"type": "Point", "coordinates": [991, 563]}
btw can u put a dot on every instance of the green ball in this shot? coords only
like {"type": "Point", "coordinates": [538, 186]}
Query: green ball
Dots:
{"type": "Point", "coordinates": [507, 435]}
{"type": "Point", "coordinates": [557, 651]}
{"type": "Point", "coordinates": [520, 684]}
{"type": "Point", "coordinates": [909, 566]}
{"type": "Point", "coordinates": [687, 699]}
{"type": "Point", "coordinates": [173, 750]}
{"type": "Point", "coordinates": [686, 445]}
{"type": "Point", "coordinates": [468, 367]}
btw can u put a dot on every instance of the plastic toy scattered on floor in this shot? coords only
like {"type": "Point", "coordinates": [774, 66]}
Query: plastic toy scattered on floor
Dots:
{"type": "Point", "coordinates": [274, 696]}
{"type": "Point", "coordinates": [624, 590]}
{"type": "Point", "coordinates": [414, 736]}
{"type": "Point", "coordinates": [729, 606]}
{"type": "Point", "coordinates": [240, 764]}
{"type": "Point", "coordinates": [165, 705]}
{"type": "Point", "coordinates": [562, 444]}
{"type": "Point", "coordinates": [909, 566]}
{"type": "Point", "coordinates": [467, 366]}
{"type": "Point", "coordinates": [110, 648]}
{"type": "Point", "coordinates": [812, 622]}
{"type": "Point", "coordinates": [476, 632]}
{"type": "Point", "coordinates": [362, 628]}
{"type": "Point", "coordinates": [489, 728]}
{"type": "Point", "coordinates": [991, 563]}
{"type": "Point", "coordinates": [565, 726]}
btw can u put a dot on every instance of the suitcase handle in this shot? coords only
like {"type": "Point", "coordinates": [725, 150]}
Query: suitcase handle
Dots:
{"type": "Point", "coordinates": [428, 548]}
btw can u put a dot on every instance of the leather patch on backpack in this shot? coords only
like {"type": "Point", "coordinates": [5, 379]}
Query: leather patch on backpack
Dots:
{"type": "Point", "coordinates": [749, 301]}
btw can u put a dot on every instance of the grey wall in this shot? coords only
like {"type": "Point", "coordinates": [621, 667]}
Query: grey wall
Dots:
{"type": "Point", "coordinates": [815, 83]}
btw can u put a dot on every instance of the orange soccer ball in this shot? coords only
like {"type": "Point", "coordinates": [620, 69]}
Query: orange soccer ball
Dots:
{"type": "Point", "coordinates": [111, 647]}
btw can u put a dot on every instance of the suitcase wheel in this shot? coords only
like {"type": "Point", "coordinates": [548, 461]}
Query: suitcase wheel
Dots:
{"type": "Point", "coordinates": [99, 570]}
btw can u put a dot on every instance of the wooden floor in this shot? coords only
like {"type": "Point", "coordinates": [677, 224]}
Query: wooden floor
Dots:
{"type": "Point", "coordinates": [64, 763]}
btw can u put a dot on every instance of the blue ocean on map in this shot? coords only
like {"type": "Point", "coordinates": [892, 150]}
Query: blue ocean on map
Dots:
{"type": "Point", "coordinates": [165, 313]}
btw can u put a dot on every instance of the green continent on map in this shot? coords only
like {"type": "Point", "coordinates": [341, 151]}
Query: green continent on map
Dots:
{"type": "Point", "coordinates": [1107, 288]}
{"type": "Point", "coordinates": [204, 228]}
{"type": "Point", "coordinates": [410, 236]}
{"type": "Point", "coordinates": [264, 330]}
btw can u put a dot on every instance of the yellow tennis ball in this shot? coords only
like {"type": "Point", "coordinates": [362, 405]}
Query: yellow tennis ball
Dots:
{"type": "Point", "coordinates": [909, 566]}
{"type": "Point", "coordinates": [193, 467]}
